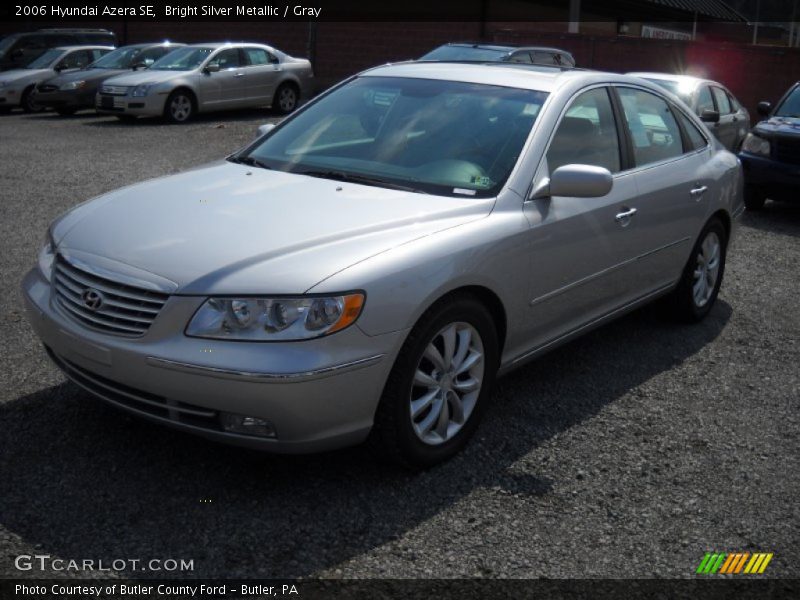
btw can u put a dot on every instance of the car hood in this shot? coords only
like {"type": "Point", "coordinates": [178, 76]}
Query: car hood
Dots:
{"type": "Point", "coordinates": [783, 126]}
{"type": "Point", "coordinates": [146, 76]}
{"type": "Point", "coordinates": [85, 75]}
{"type": "Point", "coordinates": [20, 75]}
{"type": "Point", "coordinates": [231, 229]}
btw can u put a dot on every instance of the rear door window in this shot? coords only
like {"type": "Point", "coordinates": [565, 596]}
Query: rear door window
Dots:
{"type": "Point", "coordinates": [654, 131]}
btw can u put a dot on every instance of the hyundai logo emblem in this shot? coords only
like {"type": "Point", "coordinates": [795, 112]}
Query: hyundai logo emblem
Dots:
{"type": "Point", "coordinates": [92, 299]}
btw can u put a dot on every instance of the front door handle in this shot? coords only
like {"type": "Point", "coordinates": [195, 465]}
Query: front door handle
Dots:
{"type": "Point", "coordinates": [238, 74]}
{"type": "Point", "coordinates": [624, 217]}
{"type": "Point", "coordinates": [698, 191]}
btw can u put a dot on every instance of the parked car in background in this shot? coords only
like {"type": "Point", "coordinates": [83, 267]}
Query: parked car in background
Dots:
{"type": "Point", "coordinates": [770, 153]}
{"type": "Point", "coordinates": [17, 50]}
{"type": "Point", "coordinates": [69, 92]}
{"type": "Point", "coordinates": [539, 55]}
{"type": "Point", "coordinates": [17, 86]}
{"type": "Point", "coordinates": [723, 114]}
{"type": "Point", "coordinates": [209, 77]}
{"type": "Point", "coordinates": [367, 267]}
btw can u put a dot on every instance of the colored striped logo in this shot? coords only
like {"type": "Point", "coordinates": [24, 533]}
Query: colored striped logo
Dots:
{"type": "Point", "coordinates": [727, 563]}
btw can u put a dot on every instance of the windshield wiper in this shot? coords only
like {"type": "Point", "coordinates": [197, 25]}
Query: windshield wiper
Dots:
{"type": "Point", "coordinates": [362, 179]}
{"type": "Point", "coordinates": [250, 161]}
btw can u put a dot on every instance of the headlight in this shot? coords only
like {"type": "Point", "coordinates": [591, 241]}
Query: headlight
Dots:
{"type": "Point", "coordinates": [46, 256]}
{"type": "Point", "coordinates": [141, 90]}
{"type": "Point", "coordinates": [755, 145]}
{"type": "Point", "coordinates": [73, 85]}
{"type": "Point", "coordinates": [274, 319]}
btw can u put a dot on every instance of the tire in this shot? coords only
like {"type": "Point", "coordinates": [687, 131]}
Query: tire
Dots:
{"type": "Point", "coordinates": [286, 98]}
{"type": "Point", "coordinates": [692, 300]}
{"type": "Point", "coordinates": [27, 102]}
{"type": "Point", "coordinates": [179, 107]}
{"type": "Point", "coordinates": [754, 198]}
{"type": "Point", "coordinates": [417, 383]}
{"type": "Point", "coordinates": [66, 112]}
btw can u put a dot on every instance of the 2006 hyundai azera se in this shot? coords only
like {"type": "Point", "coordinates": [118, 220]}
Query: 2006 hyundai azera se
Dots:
{"type": "Point", "coordinates": [366, 268]}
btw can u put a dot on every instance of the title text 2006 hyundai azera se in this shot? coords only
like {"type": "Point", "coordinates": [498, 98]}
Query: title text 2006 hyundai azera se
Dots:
{"type": "Point", "coordinates": [365, 269]}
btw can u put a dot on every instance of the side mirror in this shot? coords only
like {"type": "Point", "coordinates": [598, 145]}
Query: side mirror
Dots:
{"type": "Point", "coordinates": [764, 108]}
{"type": "Point", "coordinates": [211, 68]}
{"type": "Point", "coordinates": [709, 116]}
{"type": "Point", "coordinates": [265, 129]}
{"type": "Point", "coordinates": [575, 181]}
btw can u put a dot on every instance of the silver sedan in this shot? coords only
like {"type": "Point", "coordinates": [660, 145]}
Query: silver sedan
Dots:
{"type": "Point", "coordinates": [364, 270]}
{"type": "Point", "coordinates": [209, 77]}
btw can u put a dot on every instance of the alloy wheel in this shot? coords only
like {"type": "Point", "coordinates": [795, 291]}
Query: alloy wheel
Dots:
{"type": "Point", "coordinates": [180, 108]}
{"type": "Point", "coordinates": [447, 383]}
{"type": "Point", "coordinates": [707, 269]}
{"type": "Point", "coordinates": [287, 99]}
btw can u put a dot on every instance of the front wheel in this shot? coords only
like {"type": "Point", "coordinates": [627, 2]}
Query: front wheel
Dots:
{"type": "Point", "coordinates": [699, 286]}
{"type": "Point", "coordinates": [439, 385]}
{"type": "Point", "coordinates": [28, 102]}
{"type": "Point", "coordinates": [179, 107]}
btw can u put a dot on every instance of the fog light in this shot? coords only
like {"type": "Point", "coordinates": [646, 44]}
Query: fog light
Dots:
{"type": "Point", "coordinates": [247, 425]}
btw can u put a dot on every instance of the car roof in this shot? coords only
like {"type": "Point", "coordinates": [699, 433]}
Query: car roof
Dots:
{"type": "Point", "coordinates": [152, 45]}
{"type": "Point", "coordinates": [505, 48]}
{"type": "Point", "coordinates": [534, 77]}
{"type": "Point", "coordinates": [84, 47]}
{"type": "Point", "coordinates": [216, 45]}
{"type": "Point", "coordinates": [684, 79]}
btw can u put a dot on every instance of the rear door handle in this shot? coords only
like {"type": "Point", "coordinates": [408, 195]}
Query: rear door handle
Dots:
{"type": "Point", "coordinates": [624, 217]}
{"type": "Point", "coordinates": [698, 191]}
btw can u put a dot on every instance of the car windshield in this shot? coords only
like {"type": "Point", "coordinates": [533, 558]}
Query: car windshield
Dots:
{"type": "Point", "coordinates": [183, 59]}
{"type": "Point", "coordinates": [46, 59]}
{"type": "Point", "coordinates": [441, 137]}
{"type": "Point", "coordinates": [790, 107]}
{"type": "Point", "coordinates": [6, 43]}
{"type": "Point", "coordinates": [121, 58]}
{"type": "Point", "coordinates": [680, 89]}
{"type": "Point", "coordinates": [465, 53]}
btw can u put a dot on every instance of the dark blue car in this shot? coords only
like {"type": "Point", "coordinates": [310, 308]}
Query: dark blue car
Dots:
{"type": "Point", "coordinates": [771, 152]}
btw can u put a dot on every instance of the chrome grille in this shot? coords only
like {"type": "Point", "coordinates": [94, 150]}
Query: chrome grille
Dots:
{"type": "Point", "coordinates": [122, 309]}
{"type": "Point", "coordinates": [787, 151]}
{"type": "Point", "coordinates": [114, 90]}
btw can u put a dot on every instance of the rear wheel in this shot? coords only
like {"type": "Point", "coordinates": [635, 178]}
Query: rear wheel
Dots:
{"type": "Point", "coordinates": [286, 97]}
{"type": "Point", "coordinates": [699, 286]}
{"type": "Point", "coordinates": [179, 107]}
{"type": "Point", "coordinates": [439, 385]}
{"type": "Point", "coordinates": [28, 102]}
{"type": "Point", "coordinates": [754, 198]}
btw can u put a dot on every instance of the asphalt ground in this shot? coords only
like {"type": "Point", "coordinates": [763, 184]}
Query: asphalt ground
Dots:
{"type": "Point", "coordinates": [628, 453]}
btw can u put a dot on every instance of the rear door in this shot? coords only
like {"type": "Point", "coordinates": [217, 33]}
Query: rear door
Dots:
{"type": "Point", "coordinates": [579, 246]}
{"type": "Point", "coordinates": [669, 155]}
{"type": "Point", "coordinates": [263, 71]}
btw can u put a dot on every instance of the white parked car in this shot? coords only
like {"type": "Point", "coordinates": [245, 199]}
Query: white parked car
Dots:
{"type": "Point", "coordinates": [17, 86]}
{"type": "Point", "coordinates": [209, 77]}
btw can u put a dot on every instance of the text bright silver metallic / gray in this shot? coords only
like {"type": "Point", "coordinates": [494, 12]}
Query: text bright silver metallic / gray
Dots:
{"type": "Point", "coordinates": [365, 268]}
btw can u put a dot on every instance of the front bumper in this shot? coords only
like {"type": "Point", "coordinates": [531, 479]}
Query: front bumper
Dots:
{"type": "Point", "coordinates": [318, 394]}
{"type": "Point", "coordinates": [65, 99]}
{"type": "Point", "coordinates": [146, 106]}
{"type": "Point", "coordinates": [777, 179]}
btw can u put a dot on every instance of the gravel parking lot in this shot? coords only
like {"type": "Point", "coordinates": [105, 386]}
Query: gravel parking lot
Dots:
{"type": "Point", "coordinates": [628, 453]}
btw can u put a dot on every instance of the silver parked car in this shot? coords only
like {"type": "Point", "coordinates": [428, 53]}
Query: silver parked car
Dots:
{"type": "Point", "coordinates": [17, 86]}
{"type": "Point", "coordinates": [366, 268]}
{"type": "Point", "coordinates": [723, 114]}
{"type": "Point", "coordinates": [209, 77]}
